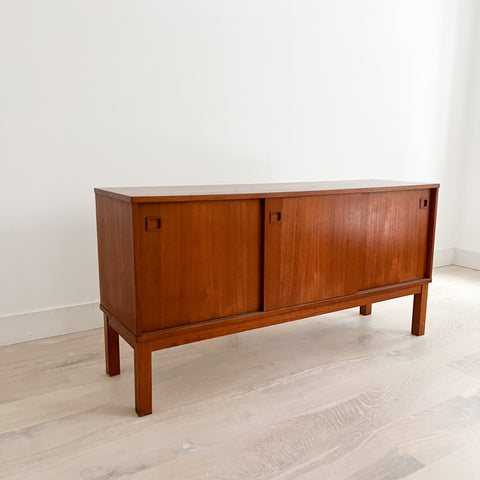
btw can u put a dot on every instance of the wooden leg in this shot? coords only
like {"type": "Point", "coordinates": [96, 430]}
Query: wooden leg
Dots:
{"type": "Point", "coordinates": [112, 352]}
{"type": "Point", "coordinates": [143, 379]}
{"type": "Point", "coordinates": [366, 309]}
{"type": "Point", "coordinates": [419, 311]}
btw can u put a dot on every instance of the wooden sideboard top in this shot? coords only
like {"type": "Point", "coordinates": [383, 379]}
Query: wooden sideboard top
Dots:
{"type": "Point", "coordinates": [252, 190]}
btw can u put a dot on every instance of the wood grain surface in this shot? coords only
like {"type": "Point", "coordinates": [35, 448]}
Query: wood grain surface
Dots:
{"type": "Point", "coordinates": [396, 245]}
{"type": "Point", "coordinates": [315, 251]}
{"type": "Point", "coordinates": [116, 259]}
{"type": "Point", "coordinates": [335, 397]}
{"type": "Point", "coordinates": [189, 193]}
{"type": "Point", "coordinates": [204, 262]}
{"type": "Point", "coordinates": [175, 272]}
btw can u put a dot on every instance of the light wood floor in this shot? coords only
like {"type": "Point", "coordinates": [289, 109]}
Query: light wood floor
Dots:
{"type": "Point", "coordinates": [334, 397]}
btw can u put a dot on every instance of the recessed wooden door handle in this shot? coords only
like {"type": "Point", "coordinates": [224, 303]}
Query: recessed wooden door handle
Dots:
{"type": "Point", "coordinates": [423, 202]}
{"type": "Point", "coordinates": [153, 224]}
{"type": "Point", "coordinates": [275, 217]}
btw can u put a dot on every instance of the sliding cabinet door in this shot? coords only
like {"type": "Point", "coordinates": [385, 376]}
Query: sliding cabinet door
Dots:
{"type": "Point", "coordinates": [197, 261]}
{"type": "Point", "coordinates": [313, 248]}
{"type": "Point", "coordinates": [397, 237]}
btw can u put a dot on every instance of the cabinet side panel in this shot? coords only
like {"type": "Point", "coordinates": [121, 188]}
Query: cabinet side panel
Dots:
{"type": "Point", "coordinates": [197, 261]}
{"type": "Point", "coordinates": [115, 259]}
{"type": "Point", "coordinates": [431, 231]}
{"type": "Point", "coordinates": [397, 233]}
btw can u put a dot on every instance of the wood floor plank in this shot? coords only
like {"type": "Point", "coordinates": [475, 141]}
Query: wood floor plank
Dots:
{"type": "Point", "coordinates": [468, 364]}
{"type": "Point", "coordinates": [462, 464]}
{"type": "Point", "coordinates": [340, 396]}
{"type": "Point", "coordinates": [434, 433]}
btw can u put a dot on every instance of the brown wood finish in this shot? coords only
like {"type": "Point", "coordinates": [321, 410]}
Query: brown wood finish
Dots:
{"type": "Point", "coordinates": [203, 262]}
{"type": "Point", "coordinates": [112, 352]}
{"type": "Point", "coordinates": [314, 251]}
{"type": "Point", "coordinates": [143, 378]}
{"type": "Point", "coordinates": [116, 259]}
{"type": "Point", "coordinates": [431, 231]}
{"type": "Point", "coordinates": [183, 264]}
{"type": "Point", "coordinates": [366, 309]}
{"type": "Point", "coordinates": [118, 326]}
{"type": "Point", "coordinates": [419, 311]}
{"type": "Point", "coordinates": [195, 193]}
{"type": "Point", "coordinates": [396, 243]}
{"type": "Point", "coordinates": [216, 328]}
{"type": "Point", "coordinates": [239, 323]}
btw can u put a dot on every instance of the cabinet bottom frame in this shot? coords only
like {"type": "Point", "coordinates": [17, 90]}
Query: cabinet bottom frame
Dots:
{"type": "Point", "coordinates": [144, 344]}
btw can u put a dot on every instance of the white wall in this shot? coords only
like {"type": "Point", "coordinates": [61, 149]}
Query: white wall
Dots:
{"type": "Point", "coordinates": [115, 93]}
{"type": "Point", "coordinates": [468, 241]}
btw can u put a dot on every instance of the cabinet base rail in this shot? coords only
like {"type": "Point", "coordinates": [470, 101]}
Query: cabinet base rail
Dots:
{"type": "Point", "coordinates": [143, 345]}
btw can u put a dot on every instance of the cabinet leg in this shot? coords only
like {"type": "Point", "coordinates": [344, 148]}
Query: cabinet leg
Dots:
{"type": "Point", "coordinates": [112, 351]}
{"type": "Point", "coordinates": [366, 309]}
{"type": "Point", "coordinates": [143, 379]}
{"type": "Point", "coordinates": [419, 311]}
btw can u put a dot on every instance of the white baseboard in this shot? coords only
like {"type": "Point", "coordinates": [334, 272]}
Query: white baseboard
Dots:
{"type": "Point", "coordinates": [466, 258]}
{"type": "Point", "coordinates": [48, 323]}
{"type": "Point", "coordinates": [443, 257]}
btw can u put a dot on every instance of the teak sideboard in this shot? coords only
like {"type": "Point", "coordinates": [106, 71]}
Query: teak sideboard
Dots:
{"type": "Point", "coordinates": [183, 264]}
